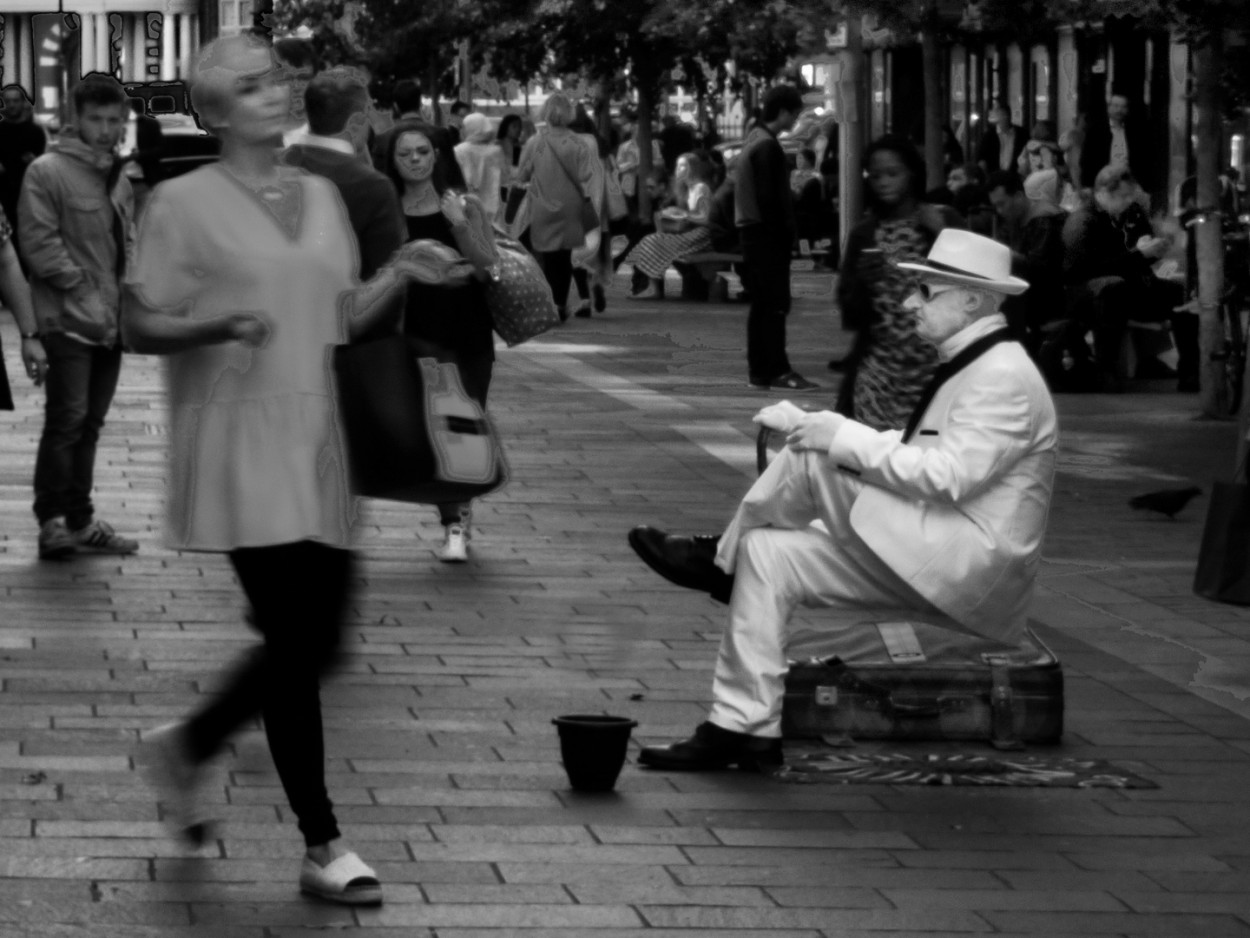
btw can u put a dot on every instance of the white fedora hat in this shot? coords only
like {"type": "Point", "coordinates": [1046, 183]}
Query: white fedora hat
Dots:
{"type": "Point", "coordinates": [970, 259]}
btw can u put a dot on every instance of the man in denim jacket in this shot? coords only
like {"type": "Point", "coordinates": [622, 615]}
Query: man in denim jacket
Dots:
{"type": "Point", "coordinates": [76, 215]}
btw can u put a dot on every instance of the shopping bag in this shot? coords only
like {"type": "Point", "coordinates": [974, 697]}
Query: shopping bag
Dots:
{"type": "Point", "coordinates": [518, 295]}
{"type": "Point", "coordinates": [1223, 572]}
{"type": "Point", "coordinates": [413, 434]}
{"type": "Point", "coordinates": [6, 396]}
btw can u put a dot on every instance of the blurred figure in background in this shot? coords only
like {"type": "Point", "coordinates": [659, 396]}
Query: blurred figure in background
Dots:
{"type": "Point", "coordinates": [481, 163]}
{"type": "Point", "coordinates": [508, 137]}
{"type": "Point", "coordinates": [21, 140]}
{"type": "Point", "coordinates": [336, 146]}
{"type": "Point", "coordinates": [890, 364]}
{"type": "Point", "coordinates": [559, 169]}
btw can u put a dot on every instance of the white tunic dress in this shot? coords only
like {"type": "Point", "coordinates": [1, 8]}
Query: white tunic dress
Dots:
{"type": "Point", "coordinates": [256, 453]}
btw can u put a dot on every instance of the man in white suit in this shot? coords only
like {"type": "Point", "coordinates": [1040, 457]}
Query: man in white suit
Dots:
{"type": "Point", "coordinates": [945, 518]}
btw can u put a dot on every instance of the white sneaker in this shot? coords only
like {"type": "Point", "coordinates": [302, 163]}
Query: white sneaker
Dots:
{"type": "Point", "coordinates": [177, 781]}
{"type": "Point", "coordinates": [455, 547]}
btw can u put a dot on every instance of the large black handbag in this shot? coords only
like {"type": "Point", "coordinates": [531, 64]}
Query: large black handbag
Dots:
{"type": "Point", "coordinates": [1223, 572]}
{"type": "Point", "coordinates": [413, 434]}
{"type": "Point", "coordinates": [6, 396]}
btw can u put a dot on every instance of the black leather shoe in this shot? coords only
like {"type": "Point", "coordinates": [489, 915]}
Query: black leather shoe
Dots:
{"type": "Point", "coordinates": [714, 748]}
{"type": "Point", "coordinates": [686, 561]}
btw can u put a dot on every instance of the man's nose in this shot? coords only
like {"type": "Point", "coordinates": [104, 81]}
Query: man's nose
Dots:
{"type": "Point", "coordinates": [913, 300]}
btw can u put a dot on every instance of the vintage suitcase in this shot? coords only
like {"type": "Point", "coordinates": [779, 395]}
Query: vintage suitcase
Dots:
{"type": "Point", "coordinates": [915, 680]}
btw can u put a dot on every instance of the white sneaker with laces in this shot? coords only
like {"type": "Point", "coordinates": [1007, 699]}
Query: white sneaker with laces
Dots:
{"type": "Point", "coordinates": [455, 547]}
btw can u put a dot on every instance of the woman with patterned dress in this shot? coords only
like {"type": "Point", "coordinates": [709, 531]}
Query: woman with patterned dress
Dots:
{"type": "Point", "coordinates": [890, 364]}
{"type": "Point", "coordinates": [654, 254]}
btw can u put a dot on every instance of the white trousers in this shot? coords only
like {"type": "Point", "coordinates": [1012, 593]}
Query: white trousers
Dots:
{"type": "Point", "coordinates": [781, 561]}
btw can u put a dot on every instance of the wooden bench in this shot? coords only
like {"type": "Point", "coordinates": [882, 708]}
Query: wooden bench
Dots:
{"type": "Point", "coordinates": [699, 274]}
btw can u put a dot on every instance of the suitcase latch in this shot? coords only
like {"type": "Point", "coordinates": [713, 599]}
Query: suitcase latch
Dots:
{"type": "Point", "coordinates": [826, 696]}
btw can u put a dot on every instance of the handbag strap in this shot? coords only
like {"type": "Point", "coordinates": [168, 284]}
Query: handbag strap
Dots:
{"type": "Point", "coordinates": [573, 179]}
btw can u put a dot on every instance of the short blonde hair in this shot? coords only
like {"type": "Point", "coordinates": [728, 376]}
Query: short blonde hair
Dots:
{"type": "Point", "coordinates": [214, 73]}
{"type": "Point", "coordinates": [557, 110]}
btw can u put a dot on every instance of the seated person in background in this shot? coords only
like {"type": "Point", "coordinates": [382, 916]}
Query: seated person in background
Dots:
{"type": "Point", "coordinates": [1109, 249]}
{"type": "Point", "coordinates": [804, 171]}
{"type": "Point", "coordinates": [956, 179]}
{"type": "Point", "coordinates": [948, 520]}
{"type": "Point", "coordinates": [681, 229]}
{"type": "Point", "coordinates": [965, 192]}
{"type": "Point", "coordinates": [809, 201]}
{"type": "Point", "coordinates": [636, 226]}
{"type": "Point", "coordinates": [1031, 213]}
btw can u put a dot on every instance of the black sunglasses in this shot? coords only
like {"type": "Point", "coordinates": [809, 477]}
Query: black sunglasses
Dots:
{"type": "Point", "coordinates": [928, 291]}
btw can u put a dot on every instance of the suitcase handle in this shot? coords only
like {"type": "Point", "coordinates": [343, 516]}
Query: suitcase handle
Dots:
{"type": "Point", "coordinates": [915, 709]}
{"type": "Point", "coordinates": [918, 710]}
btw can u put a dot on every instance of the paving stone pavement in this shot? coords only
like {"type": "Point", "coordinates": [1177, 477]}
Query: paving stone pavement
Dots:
{"type": "Point", "coordinates": [442, 758]}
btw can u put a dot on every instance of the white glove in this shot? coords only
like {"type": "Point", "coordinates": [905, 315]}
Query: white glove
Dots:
{"type": "Point", "coordinates": [782, 417]}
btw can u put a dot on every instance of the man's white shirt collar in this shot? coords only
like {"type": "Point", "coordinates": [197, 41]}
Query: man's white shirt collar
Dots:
{"type": "Point", "coordinates": [969, 334]}
{"type": "Point", "coordinates": [337, 144]}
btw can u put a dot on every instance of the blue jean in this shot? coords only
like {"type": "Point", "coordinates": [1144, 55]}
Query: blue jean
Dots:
{"type": "Point", "coordinates": [79, 390]}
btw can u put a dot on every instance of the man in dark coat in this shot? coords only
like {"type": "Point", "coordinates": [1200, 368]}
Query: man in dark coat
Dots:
{"type": "Point", "coordinates": [1109, 250]}
{"type": "Point", "coordinates": [1002, 143]}
{"type": "Point", "coordinates": [764, 215]}
{"type": "Point", "coordinates": [336, 147]}
{"type": "Point", "coordinates": [1120, 140]}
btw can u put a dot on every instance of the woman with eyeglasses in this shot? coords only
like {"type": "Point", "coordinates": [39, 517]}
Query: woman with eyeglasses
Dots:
{"type": "Point", "coordinates": [889, 365]}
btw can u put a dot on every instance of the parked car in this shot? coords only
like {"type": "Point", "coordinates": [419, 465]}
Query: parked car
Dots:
{"type": "Point", "coordinates": [184, 144]}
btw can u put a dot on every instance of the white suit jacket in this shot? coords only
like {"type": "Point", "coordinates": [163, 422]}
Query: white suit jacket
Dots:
{"type": "Point", "coordinates": [960, 511]}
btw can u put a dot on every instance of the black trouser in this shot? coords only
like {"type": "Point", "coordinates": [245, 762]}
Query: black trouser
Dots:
{"type": "Point", "coordinates": [634, 229]}
{"type": "Point", "coordinates": [299, 594]}
{"type": "Point", "coordinates": [1106, 304]}
{"type": "Point", "coordinates": [80, 385]}
{"type": "Point", "coordinates": [558, 269]}
{"type": "Point", "coordinates": [766, 276]}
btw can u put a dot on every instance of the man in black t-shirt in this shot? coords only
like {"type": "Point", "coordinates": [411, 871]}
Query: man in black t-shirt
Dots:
{"type": "Point", "coordinates": [764, 216]}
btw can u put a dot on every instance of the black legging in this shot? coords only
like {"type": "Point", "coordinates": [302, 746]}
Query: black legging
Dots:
{"type": "Point", "coordinates": [299, 594]}
{"type": "Point", "coordinates": [558, 269]}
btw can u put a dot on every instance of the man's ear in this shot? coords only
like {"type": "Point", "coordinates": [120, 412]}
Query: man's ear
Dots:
{"type": "Point", "coordinates": [357, 129]}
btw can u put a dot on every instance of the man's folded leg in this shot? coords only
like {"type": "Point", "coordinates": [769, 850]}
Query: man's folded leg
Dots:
{"type": "Point", "coordinates": [796, 489]}
{"type": "Point", "coordinates": [777, 571]}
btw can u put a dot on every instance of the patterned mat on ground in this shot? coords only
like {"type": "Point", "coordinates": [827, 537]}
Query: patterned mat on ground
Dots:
{"type": "Point", "coordinates": [1022, 771]}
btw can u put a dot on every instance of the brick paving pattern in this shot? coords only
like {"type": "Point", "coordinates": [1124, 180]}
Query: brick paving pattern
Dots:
{"type": "Point", "coordinates": [442, 757]}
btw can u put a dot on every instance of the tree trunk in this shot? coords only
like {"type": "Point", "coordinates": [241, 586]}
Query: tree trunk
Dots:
{"type": "Point", "coordinates": [432, 72]}
{"type": "Point", "coordinates": [646, 108]}
{"type": "Point", "coordinates": [934, 100]}
{"type": "Point", "coordinates": [1209, 245]}
{"type": "Point", "coordinates": [851, 132]}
